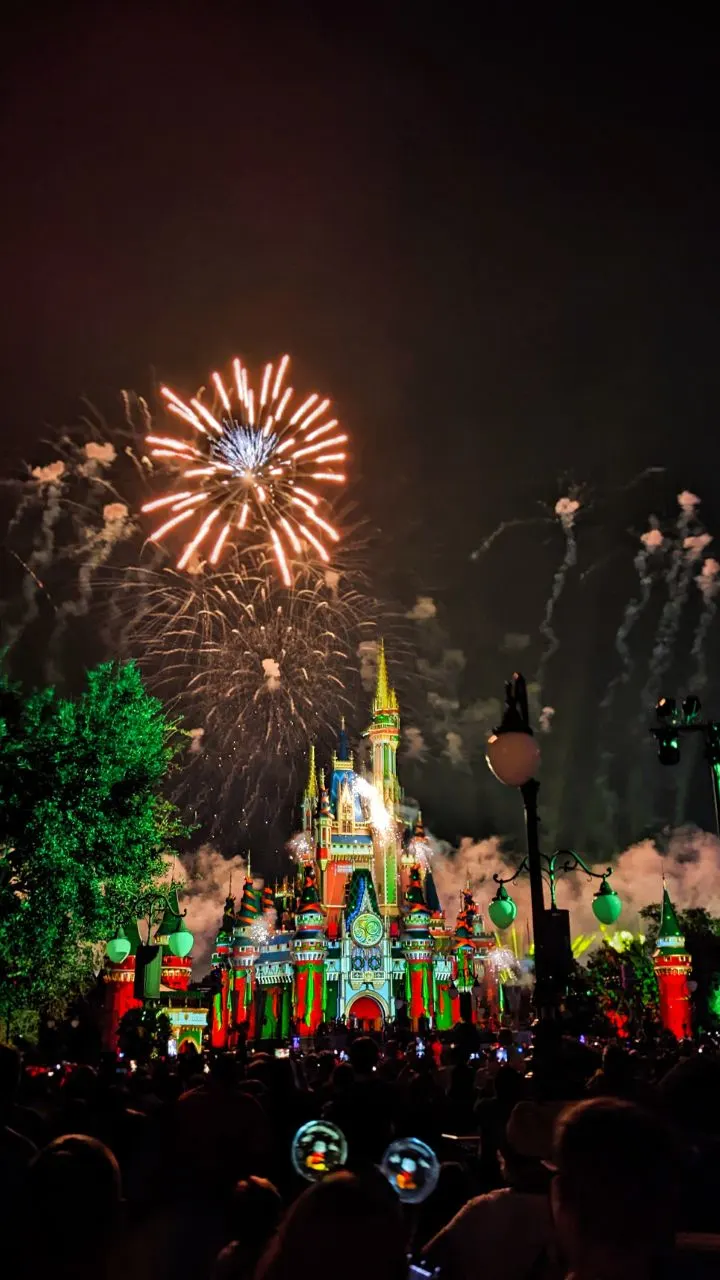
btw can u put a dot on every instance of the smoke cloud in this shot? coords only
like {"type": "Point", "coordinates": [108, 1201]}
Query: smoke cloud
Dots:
{"type": "Point", "coordinates": [514, 642]}
{"type": "Point", "coordinates": [415, 744]}
{"type": "Point", "coordinates": [206, 876]}
{"type": "Point", "coordinates": [271, 670]}
{"type": "Point", "coordinates": [367, 651]}
{"type": "Point", "coordinates": [423, 609]}
{"type": "Point", "coordinates": [690, 864]}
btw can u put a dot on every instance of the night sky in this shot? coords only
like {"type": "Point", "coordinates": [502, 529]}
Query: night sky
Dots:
{"type": "Point", "coordinates": [497, 248]}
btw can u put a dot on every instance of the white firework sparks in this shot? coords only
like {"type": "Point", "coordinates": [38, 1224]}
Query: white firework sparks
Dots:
{"type": "Point", "coordinates": [250, 465]}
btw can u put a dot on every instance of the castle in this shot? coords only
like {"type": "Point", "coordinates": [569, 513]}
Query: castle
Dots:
{"type": "Point", "coordinates": [361, 935]}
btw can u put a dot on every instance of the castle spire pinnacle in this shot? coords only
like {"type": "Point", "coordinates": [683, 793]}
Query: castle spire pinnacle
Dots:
{"type": "Point", "coordinates": [311, 786]}
{"type": "Point", "coordinates": [670, 936]}
{"type": "Point", "coordinates": [385, 697]}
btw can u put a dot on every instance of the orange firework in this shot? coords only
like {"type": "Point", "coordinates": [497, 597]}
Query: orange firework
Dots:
{"type": "Point", "coordinates": [250, 465]}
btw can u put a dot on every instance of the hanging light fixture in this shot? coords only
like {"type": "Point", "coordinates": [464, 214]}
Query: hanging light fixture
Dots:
{"type": "Point", "coordinates": [607, 904]}
{"type": "Point", "coordinates": [118, 948]}
{"type": "Point", "coordinates": [503, 909]}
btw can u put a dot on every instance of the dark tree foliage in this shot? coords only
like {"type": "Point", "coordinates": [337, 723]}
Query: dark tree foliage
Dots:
{"type": "Point", "coordinates": [83, 825]}
{"type": "Point", "coordinates": [143, 1034]}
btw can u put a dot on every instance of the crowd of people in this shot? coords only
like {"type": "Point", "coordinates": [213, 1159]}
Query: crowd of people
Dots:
{"type": "Point", "coordinates": [557, 1162]}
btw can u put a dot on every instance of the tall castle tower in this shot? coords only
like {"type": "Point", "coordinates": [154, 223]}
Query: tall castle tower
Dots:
{"type": "Point", "coordinates": [384, 734]}
{"type": "Point", "coordinates": [672, 966]}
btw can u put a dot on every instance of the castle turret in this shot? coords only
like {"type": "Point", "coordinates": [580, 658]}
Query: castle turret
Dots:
{"type": "Point", "coordinates": [417, 945]}
{"type": "Point", "coordinates": [245, 953]}
{"type": "Point", "coordinates": [465, 953]}
{"type": "Point", "coordinates": [672, 966]}
{"type": "Point", "coordinates": [267, 902]}
{"type": "Point", "coordinates": [222, 976]}
{"type": "Point", "coordinates": [309, 800]}
{"type": "Point", "coordinates": [308, 957]}
{"type": "Point", "coordinates": [384, 734]}
{"type": "Point", "coordinates": [119, 988]}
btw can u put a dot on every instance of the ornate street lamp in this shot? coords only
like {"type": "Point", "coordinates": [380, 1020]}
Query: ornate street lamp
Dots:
{"type": "Point", "coordinates": [514, 757]}
{"type": "Point", "coordinates": [161, 914]}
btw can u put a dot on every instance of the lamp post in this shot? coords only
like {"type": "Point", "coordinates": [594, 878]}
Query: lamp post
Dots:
{"type": "Point", "coordinates": [513, 756]}
{"type": "Point", "coordinates": [161, 912]}
{"type": "Point", "coordinates": [672, 723]}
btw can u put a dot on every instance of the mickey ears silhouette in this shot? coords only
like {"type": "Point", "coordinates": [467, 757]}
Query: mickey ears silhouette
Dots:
{"type": "Point", "coordinates": [410, 1166]}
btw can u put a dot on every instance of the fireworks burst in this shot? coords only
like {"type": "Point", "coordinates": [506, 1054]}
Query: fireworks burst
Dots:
{"type": "Point", "coordinates": [263, 928]}
{"type": "Point", "coordinates": [502, 961]}
{"type": "Point", "coordinates": [250, 465]}
{"type": "Point", "coordinates": [261, 669]}
{"type": "Point", "coordinates": [300, 847]}
{"type": "Point", "coordinates": [380, 820]}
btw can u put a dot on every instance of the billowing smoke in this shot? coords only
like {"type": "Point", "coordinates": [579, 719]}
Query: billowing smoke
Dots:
{"type": "Point", "coordinates": [367, 651]}
{"type": "Point", "coordinates": [423, 609]}
{"type": "Point", "coordinates": [690, 864]}
{"type": "Point", "coordinates": [271, 671]}
{"type": "Point", "coordinates": [206, 878]}
{"type": "Point", "coordinates": [565, 509]}
{"type": "Point", "coordinates": [98, 455]}
{"type": "Point", "coordinates": [545, 720]}
{"type": "Point", "coordinates": [514, 642]}
{"type": "Point", "coordinates": [415, 745]}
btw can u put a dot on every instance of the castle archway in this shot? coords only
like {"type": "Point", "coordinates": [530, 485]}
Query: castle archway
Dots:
{"type": "Point", "coordinates": [368, 1013]}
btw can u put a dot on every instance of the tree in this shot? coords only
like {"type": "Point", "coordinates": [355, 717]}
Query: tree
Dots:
{"type": "Point", "coordinates": [144, 1033]}
{"type": "Point", "coordinates": [620, 979]}
{"type": "Point", "coordinates": [83, 825]}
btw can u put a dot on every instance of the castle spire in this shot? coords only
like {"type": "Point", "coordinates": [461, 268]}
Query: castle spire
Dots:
{"type": "Point", "coordinates": [311, 786]}
{"type": "Point", "coordinates": [381, 700]}
{"type": "Point", "coordinates": [670, 935]}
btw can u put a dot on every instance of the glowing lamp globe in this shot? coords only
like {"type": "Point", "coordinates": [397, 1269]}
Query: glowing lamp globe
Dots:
{"type": "Point", "coordinates": [502, 910]}
{"type": "Point", "coordinates": [181, 941]}
{"type": "Point", "coordinates": [606, 904]}
{"type": "Point", "coordinates": [513, 757]}
{"type": "Point", "coordinates": [118, 948]}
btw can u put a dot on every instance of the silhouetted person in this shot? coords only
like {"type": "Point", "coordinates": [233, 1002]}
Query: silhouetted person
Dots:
{"type": "Point", "coordinates": [255, 1213]}
{"type": "Point", "coordinates": [71, 1209]}
{"type": "Point", "coordinates": [616, 1193]}
{"type": "Point", "coordinates": [332, 1225]}
{"type": "Point", "coordinates": [16, 1151]}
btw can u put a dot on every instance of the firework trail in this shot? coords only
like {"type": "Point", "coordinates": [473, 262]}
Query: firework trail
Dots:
{"type": "Point", "coordinates": [708, 584]}
{"type": "Point", "coordinates": [47, 488]}
{"type": "Point", "coordinates": [652, 542]}
{"type": "Point", "coordinates": [689, 546]}
{"type": "Point", "coordinates": [247, 466]}
{"type": "Point", "coordinates": [100, 545]}
{"type": "Point", "coordinates": [507, 524]}
{"type": "Point", "coordinates": [565, 509]}
{"type": "Point", "coordinates": [70, 517]}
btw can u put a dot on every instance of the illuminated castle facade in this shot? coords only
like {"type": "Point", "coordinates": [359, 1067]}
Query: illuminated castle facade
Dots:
{"type": "Point", "coordinates": [361, 935]}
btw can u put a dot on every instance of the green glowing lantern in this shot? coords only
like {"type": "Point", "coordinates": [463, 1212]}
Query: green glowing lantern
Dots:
{"type": "Point", "coordinates": [118, 948]}
{"type": "Point", "coordinates": [181, 940]}
{"type": "Point", "coordinates": [502, 910]}
{"type": "Point", "coordinates": [606, 904]}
